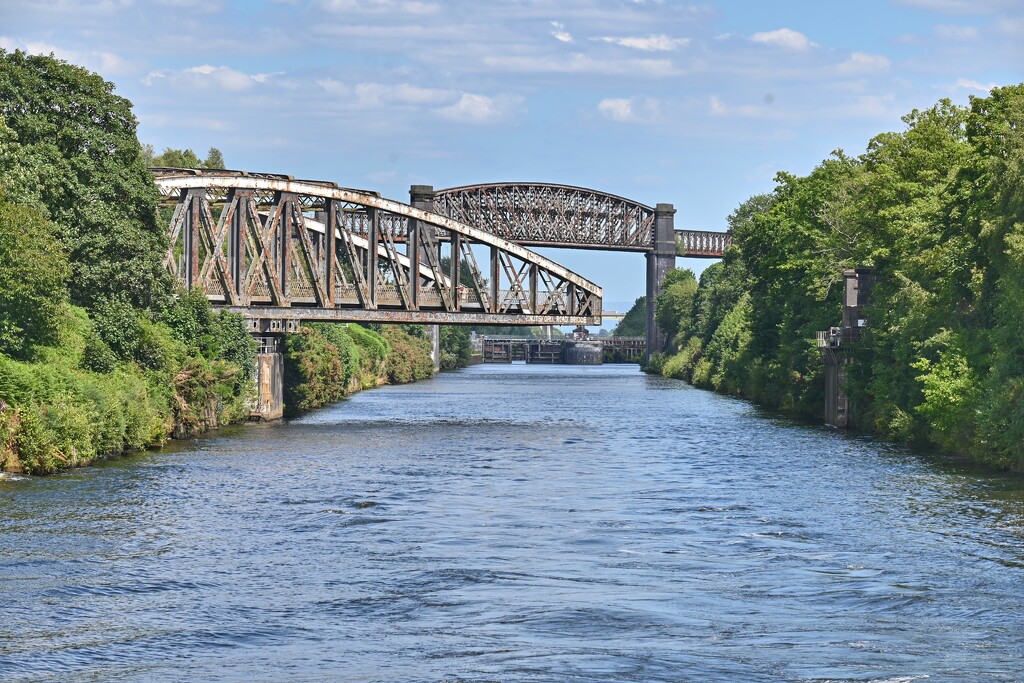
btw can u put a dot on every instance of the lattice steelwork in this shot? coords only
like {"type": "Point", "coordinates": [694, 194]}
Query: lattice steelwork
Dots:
{"type": "Point", "coordinates": [286, 249]}
{"type": "Point", "coordinates": [702, 243]}
{"type": "Point", "coordinates": [538, 214]}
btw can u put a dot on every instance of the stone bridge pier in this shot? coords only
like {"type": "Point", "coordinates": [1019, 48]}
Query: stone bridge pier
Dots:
{"type": "Point", "coordinates": [268, 404]}
{"type": "Point", "coordinates": [659, 261]}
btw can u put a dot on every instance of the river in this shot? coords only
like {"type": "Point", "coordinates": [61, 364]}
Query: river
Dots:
{"type": "Point", "coordinates": [516, 523]}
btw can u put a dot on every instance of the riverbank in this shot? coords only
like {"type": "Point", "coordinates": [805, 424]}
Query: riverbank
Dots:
{"type": "Point", "coordinates": [935, 351]}
{"type": "Point", "coordinates": [59, 411]}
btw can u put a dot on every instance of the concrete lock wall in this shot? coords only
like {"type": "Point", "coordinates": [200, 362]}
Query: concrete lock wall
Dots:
{"type": "Point", "coordinates": [584, 353]}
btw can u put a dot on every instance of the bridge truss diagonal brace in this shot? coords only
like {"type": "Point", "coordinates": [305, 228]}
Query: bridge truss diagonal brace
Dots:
{"type": "Point", "coordinates": [267, 250]}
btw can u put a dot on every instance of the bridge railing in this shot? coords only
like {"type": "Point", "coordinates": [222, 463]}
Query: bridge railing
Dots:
{"type": "Point", "coordinates": [702, 243]}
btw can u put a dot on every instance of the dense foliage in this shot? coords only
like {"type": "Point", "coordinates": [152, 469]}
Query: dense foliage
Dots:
{"type": "Point", "coordinates": [634, 323]}
{"type": "Point", "coordinates": [937, 211]}
{"type": "Point", "coordinates": [182, 158]}
{"type": "Point", "coordinates": [98, 354]}
{"type": "Point", "coordinates": [455, 348]}
{"type": "Point", "coordinates": [68, 146]}
{"type": "Point", "coordinates": [324, 362]}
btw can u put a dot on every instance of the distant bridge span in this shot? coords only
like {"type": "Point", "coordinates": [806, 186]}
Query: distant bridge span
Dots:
{"type": "Point", "coordinates": [550, 215]}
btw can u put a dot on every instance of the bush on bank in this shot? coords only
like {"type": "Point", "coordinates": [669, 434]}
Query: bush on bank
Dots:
{"type": "Point", "coordinates": [324, 362]}
{"type": "Point", "coordinates": [100, 391]}
{"type": "Point", "coordinates": [937, 211]}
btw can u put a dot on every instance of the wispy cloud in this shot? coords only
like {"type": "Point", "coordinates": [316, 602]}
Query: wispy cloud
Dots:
{"type": "Point", "coordinates": [969, 84]}
{"type": "Point", "coordinates": [861, 63]}
{"type": "Point", "coordinates": [785, 38]}
{"type": "Point", "coordinates": [480, 109]}
{"type": "Point", "coordinates": [631, 110]}
{"type": "Point", "coordinates": [963, 6]}
{"type": "Point", "coordinates": [560, 33]}
{"type": "Point", "coordinates": [579, 63]}
{"type": "Point", "coordinates": [207, 76]}
{"type": "Point", "coordinates": [948, 32]}
{"type": "Point", "coordinates": [108, 64]}
{"type": "Point", "coordinates": [653, 43]}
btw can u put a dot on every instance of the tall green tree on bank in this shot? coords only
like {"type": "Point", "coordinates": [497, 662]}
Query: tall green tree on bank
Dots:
{"type": "Point", "coordinates": [937, 210]}
{"type": "Point", "coordinates": [33, 277]}
{"type": "Point", "coordinates": [81, 161]}
{"type": "Point", "coordinates": [634, 323]}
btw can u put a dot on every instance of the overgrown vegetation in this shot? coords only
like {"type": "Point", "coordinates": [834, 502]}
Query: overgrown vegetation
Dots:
{"type": "Point", "coordinates": [98, 354]}
{"type": "Point", "coordinates": [324, 362]}
{"type": "Point", "coordinates": [937, 211]}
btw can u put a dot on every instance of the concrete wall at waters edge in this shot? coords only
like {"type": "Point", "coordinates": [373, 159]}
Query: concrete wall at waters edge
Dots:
{"type": "Point", "coordinates": [270, 386]}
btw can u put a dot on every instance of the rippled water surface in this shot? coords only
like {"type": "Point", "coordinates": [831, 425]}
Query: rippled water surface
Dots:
{"type": "Point", "coordinates": [516, 523]}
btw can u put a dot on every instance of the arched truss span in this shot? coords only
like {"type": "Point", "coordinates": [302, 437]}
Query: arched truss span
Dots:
{"type": "Point", "coordinates": [273, 247]}
{"type": "Point", "coordinates": [543, 214]}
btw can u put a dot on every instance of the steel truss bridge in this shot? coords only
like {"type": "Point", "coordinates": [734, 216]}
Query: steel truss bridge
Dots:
{"type": "Point", "coordinates": [281, 250]}
{"type": "Point", "coordinates": [547, 215]}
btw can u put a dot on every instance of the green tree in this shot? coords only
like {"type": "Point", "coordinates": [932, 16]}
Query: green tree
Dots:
{"type": "Point", "coordinates": [183, 158]}
{"type": "Point", "coordinates": [214, 159]}
{"type": "Point", "coordinates": [80, 159]}
{"type": "Point", "coordinates": [634, 323]}
{"type": "Point", "coordinates": [33, 275]}
{"type": "Point", "coordinates": [672, 308]}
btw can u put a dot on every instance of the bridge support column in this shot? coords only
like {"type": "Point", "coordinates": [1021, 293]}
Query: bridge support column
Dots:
{"type": "Point", "coordinates": [269, 404]}
{"type": "Point", "coordinates": [269, 335]}
{"type": "Point", "coordinates": [659, 262]}
{"type": "Point", "coordinates": [422, 197]}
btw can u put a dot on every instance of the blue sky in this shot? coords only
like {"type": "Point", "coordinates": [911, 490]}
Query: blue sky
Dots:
{"type": "Point", "coordinates": [697, 104]}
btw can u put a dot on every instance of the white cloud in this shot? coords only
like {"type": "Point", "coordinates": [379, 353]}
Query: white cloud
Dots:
{"type": "Point", "coordinates": [203, 6]}
{"type": "Point", "coordinates": [869, 107]}
{"type": "Point", "coordinates": [479, 109]}
{"type": "Point", "coordinates": [560, 33]}
{"type": "Point", "coordinates": [719, 108]}
{"type": "Point", "coordinates": [964, 6]}
{"type": "Point", "coordinates": [579, 63]}
{"type": "Point", "coordinates": [784, 37]}
{"type": "Point", "coordinates": [863, 63]}
{"type": "Point", "coordinates": [653, 43]}
{"type": "Point", "coordinates": [208, 76]}
{"type": "Point", "coordinates": [1014, 28]}
{"type": "Point", "coordinates": [107, 64]}
{"type": "Point", "coordinates": [377, 94]}
{"type": "Point", "coordinates": [380, 6]}
{"type": "Point", "coordinates": [221, 76]}
{"type": "Point", "coordinates": [334, 87]}
{"type": "Point", "coordinates": [633, 110]}
{"type": "Point", "coordinates": [968, 84]}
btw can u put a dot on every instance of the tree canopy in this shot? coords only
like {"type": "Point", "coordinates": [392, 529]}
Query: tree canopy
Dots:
{"type": "Point", "coordinates": [183, 158]}
{"type": "Point", "coordinates": [937, 210]}
{"type": "Point", "coordinates": [70, 148]}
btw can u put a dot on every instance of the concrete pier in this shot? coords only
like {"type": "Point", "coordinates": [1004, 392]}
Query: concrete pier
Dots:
{"type": "Point", "coordinates": [269, 403]}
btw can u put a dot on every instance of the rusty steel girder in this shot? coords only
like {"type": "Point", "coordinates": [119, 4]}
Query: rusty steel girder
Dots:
{"type": "Point", "coordinates": [702, 243]}
{"type": "Point", "coordinates": [542, 214]}
{"type": "Point", "coordinates": [286, 249]}
{"type": "Point", "coordinates": [549, 215]}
